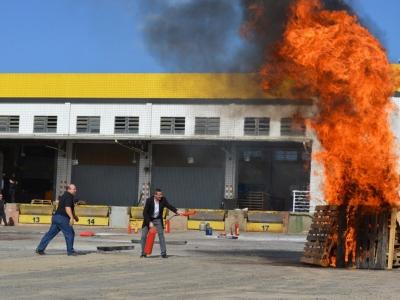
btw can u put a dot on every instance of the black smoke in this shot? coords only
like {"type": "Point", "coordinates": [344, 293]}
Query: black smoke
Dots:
{"type": "Point", "coordinates": [190, 35]}
{"type": "Point", "coordinates": [205, 35]}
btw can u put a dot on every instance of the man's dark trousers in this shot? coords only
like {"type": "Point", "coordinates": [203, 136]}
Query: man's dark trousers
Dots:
{"type": "Point", "coordinates": [160, 230]}
{"type": "Point", "coordinates": [59, 223]}
{"type": "Point", "coordinates": [3, 217]}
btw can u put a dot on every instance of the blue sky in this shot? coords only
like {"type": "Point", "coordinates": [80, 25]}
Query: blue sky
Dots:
{"type": "Point", "coordinates": [106, 35]}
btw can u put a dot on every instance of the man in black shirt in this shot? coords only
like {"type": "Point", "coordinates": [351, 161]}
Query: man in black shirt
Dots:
{"type": "Point", "coordinates": [62, 220]}
{"type": "Point", "coordinates": [2, 213]}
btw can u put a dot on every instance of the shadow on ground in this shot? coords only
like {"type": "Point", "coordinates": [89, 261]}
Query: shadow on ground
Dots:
{"type": "Point", "coordinates": [54, 252]}
{"type": "Point", "coordinates": [271, 257]}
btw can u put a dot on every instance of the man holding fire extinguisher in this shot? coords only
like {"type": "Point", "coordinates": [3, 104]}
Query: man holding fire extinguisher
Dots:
{"type": "Point", "coordinates": [153, 217]}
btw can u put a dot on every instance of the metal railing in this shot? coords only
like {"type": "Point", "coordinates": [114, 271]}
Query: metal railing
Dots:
{"type": "Point", "coordinates": [301, 201]}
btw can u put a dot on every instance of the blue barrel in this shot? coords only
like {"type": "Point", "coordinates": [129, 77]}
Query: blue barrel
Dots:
{"type": "Point", "coordinates": [208, 231]}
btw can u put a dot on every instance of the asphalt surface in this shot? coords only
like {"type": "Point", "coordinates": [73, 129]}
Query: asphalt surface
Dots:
{"type": "Point", "coordinates": [256, 266]}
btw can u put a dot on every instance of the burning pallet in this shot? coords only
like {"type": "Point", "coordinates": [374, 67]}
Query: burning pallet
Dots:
{"type": "Point", "coordinates": [358, 237]}
{"type": "Point", "coordinates": [320, 245]}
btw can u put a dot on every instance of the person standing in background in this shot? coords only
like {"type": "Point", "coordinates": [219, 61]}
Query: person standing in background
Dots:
{"type": "Point", "coordinates": [6, 184]}
{"type": "Point", "coordinates": [12, 187]}
{"type": "Point", "coordinates": [2, 182]}
{"type": "Point", "coordinates": [2, 212]}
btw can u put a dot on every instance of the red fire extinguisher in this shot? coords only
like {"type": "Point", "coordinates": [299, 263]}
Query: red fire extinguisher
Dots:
{"type": "Point", "coordinates": [151, 235]}
{"type": "Point", "coordinates": [237, 229]}
{"type": "Point", "coordinates": [167, 226]}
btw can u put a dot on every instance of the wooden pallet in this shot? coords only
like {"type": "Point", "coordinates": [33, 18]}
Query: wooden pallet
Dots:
{"type": "Point", "coordinates": [321, 239]}
{"type": "Point", "coordinates": [393, 254]}
{"type": "Point", "coordinates": [372, 239]}
{"type": "Point", "coordinates": [376, 234]}
{"type": "Point", "coordinates": [253, 200]}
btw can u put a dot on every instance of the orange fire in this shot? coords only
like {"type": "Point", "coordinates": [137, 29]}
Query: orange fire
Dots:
{"type": "Point", "coordinates": [329, 56]}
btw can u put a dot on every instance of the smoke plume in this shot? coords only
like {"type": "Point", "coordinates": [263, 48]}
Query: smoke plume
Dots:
{"type": "Point", "coordinates": [211, 35]}
{"type": "Point", "coordinates": [191, 36]}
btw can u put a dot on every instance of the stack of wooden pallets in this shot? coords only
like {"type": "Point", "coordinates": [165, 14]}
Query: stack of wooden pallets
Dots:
{"type": "Point", "coordinates": [375, 242]}
{"type": "Point", "coordinates": [253, 200]}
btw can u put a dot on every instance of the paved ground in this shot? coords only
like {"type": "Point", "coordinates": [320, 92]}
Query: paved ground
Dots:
{"type": "Point", "coordinates": [257, 266]}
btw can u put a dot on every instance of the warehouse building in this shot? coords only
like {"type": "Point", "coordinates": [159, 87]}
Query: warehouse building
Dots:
{"type": "Point", "coordinates": [208, 140]}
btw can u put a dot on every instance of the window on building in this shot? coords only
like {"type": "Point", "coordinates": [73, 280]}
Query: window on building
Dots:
{"type": "Point", "coordinates": [286, 155]}
{"type": "Point", "coordinates": [126, 125]}
{"type": "Point", "coordinates": [85, 124]}
{"type": "Point", "coordinates": [207, 126]}
{"type": "Point", "coordinates": [172, 125]}
{"type": "Point", "coordinates": [45, 124]}
{"type": "Point", "coordinates": [291, 128]}
{"type": "Point", "coordinates": [256, 126]}
{"type": "Point", "coordinates": [9, 123]}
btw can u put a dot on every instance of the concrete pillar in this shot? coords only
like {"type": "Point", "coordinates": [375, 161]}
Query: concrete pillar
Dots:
{"type": "Point", "coordinates": [1, 170]}
{"type": "Point", "coordinates": [64, 168]}
{"type": "Point", "coordinates": [230, 172]}
{"type": "Point", "coordinates": [395, 126]}
{"type": "Point", "coordinates": [233, 217]}
{"type": "Point", "coordinates": [144, 181]}
{"type": "Point", "coordinates": [119, 217]}
{"type": "Point", "coordinates": [12, 213]}
{"type": "Point", "coordinates": [275, 126]}
{"type": "Point", "coordinates": [316, 178]}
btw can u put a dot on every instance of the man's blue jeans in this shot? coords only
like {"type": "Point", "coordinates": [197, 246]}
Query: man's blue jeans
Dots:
{"type": "Point", "coordinates": [59, 223]}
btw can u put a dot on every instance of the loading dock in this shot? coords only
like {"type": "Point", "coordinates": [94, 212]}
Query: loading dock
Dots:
{"type": "Point", "coordinates": [191, 175]}
{"type": "Point", "coordinates": [268, 172]}
{"type": "Point", "coordinates": [92, 215]}
{"type": "Point", "coordinates": [105, 174]}
{"type": "Point", "coordinates": [34, 166]}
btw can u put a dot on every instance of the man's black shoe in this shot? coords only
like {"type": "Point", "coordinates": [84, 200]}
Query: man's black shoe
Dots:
{"type": "Point", "coordinates": [143, 255]}
{"type": "Point", "coordinates": [164, 256]}
{"type": "Point", "coordinates": [41, 252]}
{"type": "Point", "coordinates": [73, 254]}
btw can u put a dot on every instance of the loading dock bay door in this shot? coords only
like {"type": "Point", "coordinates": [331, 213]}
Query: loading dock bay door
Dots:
{"type": "Point", "coordinates": [191, 175]}
{"type": "Point", "coordinates": [190, 187]}
{"type": "Point", "coordinates": [106, 185]}
{"type": "Point", "coordinates": [274, 170]}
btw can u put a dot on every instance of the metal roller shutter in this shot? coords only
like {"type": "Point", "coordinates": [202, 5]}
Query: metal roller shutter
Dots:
{"type": "Point", "coordinates": [190, 187]}
{"type": "Point", "coordinates": [106, 185]}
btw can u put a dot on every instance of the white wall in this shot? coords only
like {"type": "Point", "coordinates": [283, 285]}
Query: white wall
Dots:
{"type": "Point", "coordinates": [231, 128]}
{"type": "Point", "coordinates": [231, 116]}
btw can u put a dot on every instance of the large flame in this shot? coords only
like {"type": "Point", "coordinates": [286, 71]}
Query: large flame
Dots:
{"type": "Point", "coordinates": [329, 55]}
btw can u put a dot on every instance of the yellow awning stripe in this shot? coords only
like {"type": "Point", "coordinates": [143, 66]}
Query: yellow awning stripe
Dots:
{"type": "Point", "coordinates": [137, 86]}
{"type": "Point", "coordinates": [158, 86]}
